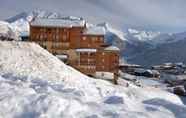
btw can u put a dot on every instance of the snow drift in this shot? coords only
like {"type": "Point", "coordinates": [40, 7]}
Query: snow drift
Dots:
{"type": "Point", "coordinates": [6, 31]}
{"type": "Point", "coordinates": [33, 83]}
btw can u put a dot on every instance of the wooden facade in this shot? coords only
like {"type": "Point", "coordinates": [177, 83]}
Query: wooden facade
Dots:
{"type": "Point", "coordinates": [107, 61]}
{"type": "Point", "coordinates": [83, 49]}
{"type": "Point", "coordinates": [55, 40]}
{"type": "Point", "coordinates": [92, 41]}
{"type": "Point", "coordinates": [86, 62]}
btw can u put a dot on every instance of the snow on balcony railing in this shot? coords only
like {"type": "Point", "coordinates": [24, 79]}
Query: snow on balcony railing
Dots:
{"type": "Point", "coordinates": [86, 50]}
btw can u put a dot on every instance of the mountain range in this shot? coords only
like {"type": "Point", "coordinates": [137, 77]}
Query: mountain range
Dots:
{"type": "Point", "coordinates": [137, 46]}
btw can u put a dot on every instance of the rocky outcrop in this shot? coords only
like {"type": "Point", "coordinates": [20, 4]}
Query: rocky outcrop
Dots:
{"type": "Point", "coordinates": [180, 91]}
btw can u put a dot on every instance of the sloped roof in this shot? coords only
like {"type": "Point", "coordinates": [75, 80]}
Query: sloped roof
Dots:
{"type": "Point", "coordinates": [112, 48]}
{"type": "Point", "coordinates": [86, 50]}
{"type": "Point", "coordinates": [95, 30]}
{"type": "Point", "coordinates": [58, 22]}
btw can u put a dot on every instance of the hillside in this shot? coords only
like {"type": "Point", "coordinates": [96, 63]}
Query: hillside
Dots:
{"type": "Point", "coordinates": [36, 84]}
{"type": "Point", "coordinates": [171, 52]}
{"type": "Point", "coordinates": [6, 31]}
{"type": "Point", "coordinates": [161, 48]}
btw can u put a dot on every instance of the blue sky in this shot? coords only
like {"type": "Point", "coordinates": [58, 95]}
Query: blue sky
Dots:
{"type": "Point", "coordinates": [162, 15]}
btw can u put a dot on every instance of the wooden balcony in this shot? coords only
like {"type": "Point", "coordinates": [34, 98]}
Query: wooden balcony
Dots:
{"type": "Point", "coordinates": [89, 70]}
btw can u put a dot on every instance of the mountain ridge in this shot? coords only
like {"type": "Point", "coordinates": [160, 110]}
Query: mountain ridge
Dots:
{"type": "Point", "coordinates": [133, 43]}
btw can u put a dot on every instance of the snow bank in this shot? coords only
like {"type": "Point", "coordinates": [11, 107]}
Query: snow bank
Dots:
{"type": "Point", "coordinates": [33, 83]}
{"type": "Point", "coordinates": [6, 31]}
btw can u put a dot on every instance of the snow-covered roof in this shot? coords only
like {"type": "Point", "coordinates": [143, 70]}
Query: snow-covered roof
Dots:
{"type": "Point", "coordinates": [112, 48]}
{"type": "Point", "coordinates": [86, 50]}
{"type": "Point", "coordinates": [58, 22]}
{"type": "Point", "coordinates": [95, 30]}
{"type": "Point", "coordinates": [62, 56]}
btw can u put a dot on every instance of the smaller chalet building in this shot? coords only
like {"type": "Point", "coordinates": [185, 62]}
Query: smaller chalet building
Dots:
{"type": "Point", "coordinates": [80, 46]}
{"type": "Point", "coordinates": [107, 59]}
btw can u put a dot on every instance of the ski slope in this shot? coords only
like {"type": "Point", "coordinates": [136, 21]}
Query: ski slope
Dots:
{"type": "Point", "coordinates": [35, 84]}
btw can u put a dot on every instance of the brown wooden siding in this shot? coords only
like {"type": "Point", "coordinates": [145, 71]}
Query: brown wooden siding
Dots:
{"type": "Point", "coordinates": [75, 37]}
{"type": "Point", "coordinates": [86, 62]}
{"type": "Point", "coordinates": [52, 39]}
{"type": "Point", "coordinates": [107, 61]}
{"type": "Point", "coordinates": [66, 40]}
{"type": "Point", "coordinates": [91, 41]}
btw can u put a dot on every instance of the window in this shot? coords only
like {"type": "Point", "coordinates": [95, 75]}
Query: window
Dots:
{"type": "Point", "coordinates": [41, 36]}
{"type": "Point", "coordinates": [56, 45]}
{"type": "Point", "coordinates": [100, 38]}
{"type": "Point", "coordinates": [44, 30]}
{"type": "Point", "coordinates": [64, 37]}
{"type": "Point", "coordinates": [103, 60]}
{"type": "Point", "coordinates": [57, 30]}
{"type": "Point", "coordinates": [84, 38]}
{"type": "Point", "coordinates": [49, 30]}
{"type": "Point", "coordinates": [91, 54]}
{"type": "Point", "coordinates": [94, 38]}
{"type": "Point", "coordinates": [54, 37]}
{"type": "Point", "coordinates": [37, 36]}
{"type": "Point", "coordinates": [57, 37]}
{"type": "Point", "coordinates": [66, 45]}
{"type": "Point", "coordinates": [44, 36]}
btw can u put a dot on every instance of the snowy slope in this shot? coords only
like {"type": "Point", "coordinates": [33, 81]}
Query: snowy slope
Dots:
{"type": "Point", "coordinates": [6, 31]}
{"type": "Point", "coordinates": [33, 83]}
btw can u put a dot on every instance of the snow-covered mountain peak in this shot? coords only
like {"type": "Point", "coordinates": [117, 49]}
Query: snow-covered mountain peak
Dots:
{"type": "Point", "coordinates": [143, 35]}
{"type": "Point", "coordinates": [110, 30]}
{"type": "Point", "coordinates": [133, 31]}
